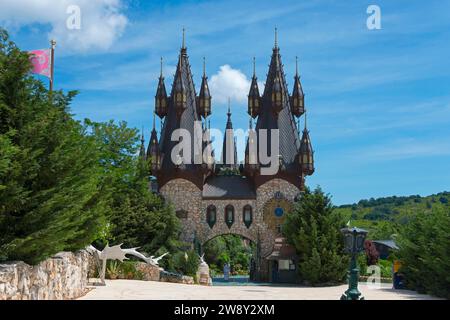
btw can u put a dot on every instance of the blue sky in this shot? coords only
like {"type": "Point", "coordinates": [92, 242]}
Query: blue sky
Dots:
{"type": "Point", "coordinates": [378, 100]}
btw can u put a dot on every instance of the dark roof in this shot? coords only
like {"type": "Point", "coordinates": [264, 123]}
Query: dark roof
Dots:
{"type": "Point", "coordinates": [388, 243]}
{"type": "Point", "coordinates": [228, 187]}
{"type": "Point", "coordinates": [187, 119]}
{"type": "Point", "coordinates": [289, 136]}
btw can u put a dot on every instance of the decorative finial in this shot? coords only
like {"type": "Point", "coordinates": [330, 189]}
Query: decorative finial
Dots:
{"type": "Point", "coordinates": [229, 107]}
{"type": "Point", "coordinates": [296, 66]}
{"type": "Point", "coordinates": [254, 67]}
{"type": "Point", "coordinates": [276, 37]}
{"type": "Point", "coordinates": [52, 43]}
{"type": "Point", "coordinates": [184, 43]}
{"type": "Point", "coordinates": [305, 121]}
{"type": "Point", "coordinates": [161, 68]}
{"type": "Point", "coordinates": [204, 67]}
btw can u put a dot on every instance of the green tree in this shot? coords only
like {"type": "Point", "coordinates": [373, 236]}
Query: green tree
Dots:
{"type": "Point", "coordinates": [51, 196]}
{"type": "Point", "coordinates": [138, 217]}
{"type": "Point", "coordinates": [425, 252]}
{"type": "Point", "coordinates": [314, 229]}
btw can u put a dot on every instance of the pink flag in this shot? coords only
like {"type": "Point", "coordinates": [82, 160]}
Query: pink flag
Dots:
{"type": "Point", "coordinates": [41, 61]}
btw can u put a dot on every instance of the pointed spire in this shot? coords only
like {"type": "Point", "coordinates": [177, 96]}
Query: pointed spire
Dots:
{"type": "Point", "coordinates": [298, 97]}
{"type": "Point", "coordinates": [161, 102]}
{"type": "Point", "coordinates": [276, 38]}
{"type": "Point", "coordinates": [142, 149]}
{"type": "Point", "coordinates": [154, 121]}
{"type": "Point", "coordinates": [229, 146]}
{"type": "Point", "coordinates": [179, 95]}
{"type": "Point", "coordinates": [153, 152]}
{"type": "Point", "coordinates": [183, 46]}
{"type": "Point", "coordinates": [229, 123]}
{"type": "Point", "coordinates": [204, 67]}
{"type": "Point", "coordinates": [306, 153]}
{"type": "Point", "coordinates": [204, 97]}
{"type": "Point", "coordinates": [253, 95]}
{"type": "Point", "coordinates": [305, 121]}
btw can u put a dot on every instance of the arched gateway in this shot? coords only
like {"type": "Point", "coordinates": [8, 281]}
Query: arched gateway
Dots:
{"type": "Point", "coordinates": [213, 199]}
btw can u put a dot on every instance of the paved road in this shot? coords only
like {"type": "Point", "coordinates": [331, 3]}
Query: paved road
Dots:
{"type": "Point", "coordinates": [149, 290]}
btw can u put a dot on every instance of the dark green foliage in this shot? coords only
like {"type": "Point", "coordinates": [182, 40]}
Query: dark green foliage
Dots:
{"type": "Point", "coordinates": [186, 263]}
{"type": "Point", "coordinates": [139, 218]}
{"type": "Point", "coordinates": [64, 184]}
{"type": "Point", "coordinates": [425, 252]}
{"type": "Point", "coordinates": [50, 200]}
{"type": "Point", "coordinates": [314, 229]}
{"type": "Point", "coordinates": [230, 249]}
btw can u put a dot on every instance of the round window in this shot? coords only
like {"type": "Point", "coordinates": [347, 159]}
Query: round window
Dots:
{"type": "Point", "coordinates": [279, 212]}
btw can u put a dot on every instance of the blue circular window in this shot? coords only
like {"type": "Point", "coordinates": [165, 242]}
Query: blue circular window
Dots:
{"type": "Point", "coordinates": [279, 212]}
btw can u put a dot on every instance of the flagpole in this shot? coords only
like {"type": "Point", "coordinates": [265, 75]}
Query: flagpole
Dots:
{"type": "Point", "coordinates": [52, 65]}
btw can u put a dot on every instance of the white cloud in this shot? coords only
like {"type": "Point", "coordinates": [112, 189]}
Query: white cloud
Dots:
{"type": "Point", "coordinates": [102, 21]}
{"type": "Point", "coordinates": [229, 83]}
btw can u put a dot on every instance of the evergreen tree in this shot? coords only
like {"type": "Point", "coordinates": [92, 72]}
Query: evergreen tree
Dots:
{"type": "Point", "coordinates": [425, 252]}
{"type": "Point", "coordinates": [313, 228]}
{"type": "Point", "coordinates": [51, 198]}
{"type": "Point", "coordinates": [138, 217]}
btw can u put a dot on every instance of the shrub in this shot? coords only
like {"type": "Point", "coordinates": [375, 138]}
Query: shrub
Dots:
{"type": "Point", "coordinates": [314, 229]}
{"type": "Point", "coordinates": [186, 262]}
{"type": "Point", "coordinates": [424, 252]}
{"type": "Point", "coordinates": [372, 254]}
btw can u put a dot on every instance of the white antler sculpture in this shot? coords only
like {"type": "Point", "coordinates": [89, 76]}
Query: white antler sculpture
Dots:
{"type": "Point", "coordinates": [117, 253]}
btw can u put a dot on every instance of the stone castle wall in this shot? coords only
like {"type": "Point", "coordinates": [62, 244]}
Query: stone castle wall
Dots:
{"type": "Point", "coordinates": [185, 196]}
{"type": "Point", "coordinates": [64, 276]}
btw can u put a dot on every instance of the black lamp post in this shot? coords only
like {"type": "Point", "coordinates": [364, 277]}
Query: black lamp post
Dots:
{"type": "Point", "coordinates": [353, 243]}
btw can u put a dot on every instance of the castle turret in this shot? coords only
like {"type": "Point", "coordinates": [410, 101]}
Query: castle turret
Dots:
{"type": "Point", "coordinates": [180, 150]}
{"type": "Point", "coordinates": [204, 97]}
{"type": "Point", "coordinates": [276, 117]}
{"type": "Point", "coordinates": [161, 103]}
{"type": "Point", "coordinates": [254, 99]}
{"type": "Point", "coordinates": [153, 152]}
{"type": "Point", "coordinates": [297, 98]}
{"type": "Point", "coordinates": [306, 153]}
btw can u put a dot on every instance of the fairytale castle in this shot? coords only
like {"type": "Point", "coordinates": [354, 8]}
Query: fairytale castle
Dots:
{"type": "Point", "coordinates": [213, 198]}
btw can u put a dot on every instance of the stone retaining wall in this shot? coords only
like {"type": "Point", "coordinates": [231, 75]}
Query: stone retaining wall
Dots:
{"type": "Point", "coordinates": [64, 276]}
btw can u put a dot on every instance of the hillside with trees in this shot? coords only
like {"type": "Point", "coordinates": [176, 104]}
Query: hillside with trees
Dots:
{"type": "Point", "coordinates": [383, 217]}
